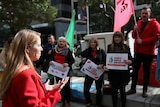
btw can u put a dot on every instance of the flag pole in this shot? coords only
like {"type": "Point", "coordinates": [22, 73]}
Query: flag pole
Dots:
{"type": "Point", "coordinates": [87, 9]}
{"type": "Point", "coordinates": [135, 23]}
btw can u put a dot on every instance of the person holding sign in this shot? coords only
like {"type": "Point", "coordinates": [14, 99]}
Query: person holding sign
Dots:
{"type": "Point", "coordinates": [62, 54]}
{"type": "Point", "coordinates": [21, 85]}
{"type": "Point", "coordinates": [145, 33]}
{"type": "Point", "coordinates": [117, 75]}
{"type": "Point", "coordinates": [98, 56]}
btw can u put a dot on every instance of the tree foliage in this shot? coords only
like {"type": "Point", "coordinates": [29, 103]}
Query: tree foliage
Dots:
{"type": "Point", "coordinates": [100, 23]}
{"type": "Point", "coordinates": [100, 15]}
{"type": "Point", "coordinates": [155, 9]}
{"type": "Point", "coordinates": [18, 14]}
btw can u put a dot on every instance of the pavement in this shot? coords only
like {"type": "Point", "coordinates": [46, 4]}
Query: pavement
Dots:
{"type": "Point", "coordinates": [134, 100]}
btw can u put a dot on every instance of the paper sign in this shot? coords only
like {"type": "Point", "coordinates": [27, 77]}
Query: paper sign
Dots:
{"type": "Point", "coordinates": [116, 61]}
{"type": "Point", "coordinates": [90, 68]}
{"type": "Point", "coordinates": [58, 70]}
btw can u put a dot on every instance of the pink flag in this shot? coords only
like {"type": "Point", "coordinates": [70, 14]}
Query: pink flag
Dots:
{"type": "Point", "coordinates": [123, 11]}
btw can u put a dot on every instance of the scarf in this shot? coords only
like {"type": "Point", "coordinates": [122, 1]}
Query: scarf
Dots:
{"type": "Point", "coordinates": [62, 51]}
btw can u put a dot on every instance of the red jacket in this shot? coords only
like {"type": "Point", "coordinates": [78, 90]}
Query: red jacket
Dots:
{"type": "Point", "coordinates": [149, 37]}
{"type": "Point", "coordinates": [27, 90]}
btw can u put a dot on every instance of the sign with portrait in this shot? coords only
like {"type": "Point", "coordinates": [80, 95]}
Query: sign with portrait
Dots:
{"type": "Point", "coordinates": [115, 61]}
{"type": "Point", "coordinates": [58, 70]}
{"type": "Point", "coordinates": [90, 69]}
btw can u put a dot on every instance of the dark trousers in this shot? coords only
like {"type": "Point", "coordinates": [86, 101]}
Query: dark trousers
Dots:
{"type": "Point", "coordinates": [115, 88]}
{"type": "Point", "coordinates": [146, 60]}
{"type": "Point", "coordinates": [66, 91]}
{"type": "Point", "coordinates": [87, 85]}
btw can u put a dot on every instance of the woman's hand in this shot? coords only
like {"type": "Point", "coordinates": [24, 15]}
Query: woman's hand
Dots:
{"type": "Point", "coordinates": [51, 63]}
{"type": "Point", "coordinates": [105, 68]}
{"type": "Point", "coordinates": [128, 61]}
{"type": "Point", "coordinates": [51, 87]}
{"type": "Point", "coordinates": [100, 66]}
{"type": "Point", "coordinates": [58, 86]}
{"type": "Point", "coordinates": [65, 64]}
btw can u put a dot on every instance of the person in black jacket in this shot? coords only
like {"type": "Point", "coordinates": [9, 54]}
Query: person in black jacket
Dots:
{"type": "Point", "coordinates": [62, 54]}
{"type": "Point", "coordinates": [119, 78]}
{"type": "Point", "coordinates": [44, 59]}
{"type": "Point", "coordinates": [98, 56]}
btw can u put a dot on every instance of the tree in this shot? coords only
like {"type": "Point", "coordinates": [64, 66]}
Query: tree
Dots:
{"type": "Point", "coordinates": [17, 14]}
{"type": "Point", "coordinates": [100, 15]}
{"type": "Point", "coordinates": [155, 9]}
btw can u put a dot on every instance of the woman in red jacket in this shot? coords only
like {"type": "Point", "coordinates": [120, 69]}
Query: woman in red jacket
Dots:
{"type": "Point", "coordinates": [21, 85]}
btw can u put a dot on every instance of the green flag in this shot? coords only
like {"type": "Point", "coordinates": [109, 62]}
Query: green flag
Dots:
{"type": "Point", "coordinates": [70, 32]}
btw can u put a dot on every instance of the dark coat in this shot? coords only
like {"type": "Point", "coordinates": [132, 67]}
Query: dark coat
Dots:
{"type": "Point", "coordinates": [119, 77]}
{"type": "Point", "coordinates": [68, 58]}
{"type": "Point", "coordinates": [100, 56]}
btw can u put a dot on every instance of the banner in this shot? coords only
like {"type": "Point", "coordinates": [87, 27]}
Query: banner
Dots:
{"type": "Point", "coordinates": [91, 70]}
{"type": "Point", "coordinates": [123, 11]}
{"type": "Point", "coordinates": [70, 32]}
{"type": "Point", "coordinates": [115, 61]}
{"type": "Point", "coordinates": [58, 70]}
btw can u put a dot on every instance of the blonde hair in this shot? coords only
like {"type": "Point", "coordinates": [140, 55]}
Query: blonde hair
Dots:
{"type": "Point", "coordinates": [62, 38]}
{"type": "Point", "coordinates": [95, 40]}
{"type": "Point", "coordinates": [17, 56]}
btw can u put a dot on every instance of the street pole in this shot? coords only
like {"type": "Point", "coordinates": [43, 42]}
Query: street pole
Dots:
{"type": "Point", "coordinates": [87, 9]}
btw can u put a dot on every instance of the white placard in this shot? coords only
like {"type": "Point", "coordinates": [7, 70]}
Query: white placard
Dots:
{"type": "Point", "coordinates": [58, 70]}
{"type": "Point", "coordinates": [91, 70]}
{"type": "Point", "coordinates": [116, 61]}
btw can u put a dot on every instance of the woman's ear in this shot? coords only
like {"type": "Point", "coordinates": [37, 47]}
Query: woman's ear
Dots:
{"type": "Point", "coordinates": [27, 50]}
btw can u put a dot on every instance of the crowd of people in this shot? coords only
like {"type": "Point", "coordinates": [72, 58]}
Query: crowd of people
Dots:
{"type": "Point", "coordinates": [21, 85]}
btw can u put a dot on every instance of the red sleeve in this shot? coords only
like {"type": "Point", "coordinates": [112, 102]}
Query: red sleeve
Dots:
{"type": "Point", "coordinates": [153, 34]}
{"type": "Point", "coordinates": [31, 92]}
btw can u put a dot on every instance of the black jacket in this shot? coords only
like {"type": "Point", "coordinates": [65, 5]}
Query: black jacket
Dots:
{"type": "Point", "coordinates": [100, 56]}
{"type": "Point", "coordinates": [68, 58]}
{"type": "Point", "coordinates": [119, 77]}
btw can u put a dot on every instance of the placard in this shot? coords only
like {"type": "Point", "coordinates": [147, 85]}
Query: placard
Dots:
{"type": "Point", "coordinates": [116, 61]}
{"type": "Point", "coordinates": [58, 70]}
{"type": "Point", "coordinates": [90, 68]}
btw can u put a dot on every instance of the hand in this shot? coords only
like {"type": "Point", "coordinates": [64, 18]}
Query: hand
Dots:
{"type": "Point", "coordinates": [139, 41]}
{"type": "Point", "coordinates": [63, 83]}
{"type": "Point", "coordinates": [127, 62]}
{"type": "Point", "coordinates": [58, 86]}
{"type": "Point", "coordinates": [105, 68]}
{"type": "Point", "coordinates": [100, 66]}
{"type": "Point", "coordinates": [51, 63]}
{"type": "Point", "coordinates": [65, 64]}
{"type": "Point", "coordinates": [135, 27]}
{"type": "Point", "coordinates": [49, 52]}
{"type": "Point", "coordinates": [51, 87]}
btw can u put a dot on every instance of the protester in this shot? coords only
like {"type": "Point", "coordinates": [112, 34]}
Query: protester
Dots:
{"type": "Point", "coordinates": [97, 55]}
{"type": "Point", "coordinates": [119, 78]}
{"type": "Point", "coordinates": [145, 33]}
{"type": "Point", "coordinates": [47, 52]}
{"type": "Point", "coordinates": [21, 85]}
{"type": "Point", "coordinates": [44, 59]}
{"type": "Point", "coordinates": [63, 55]}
